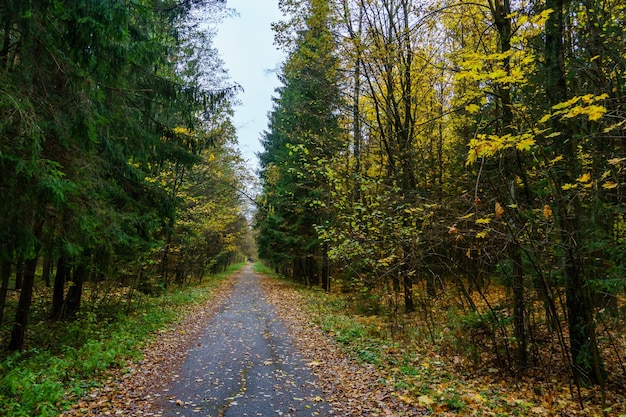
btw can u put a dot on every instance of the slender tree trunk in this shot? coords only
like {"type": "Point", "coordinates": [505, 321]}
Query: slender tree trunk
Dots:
{"type": "Point", "coordinates": [5, 274]}
{"type": "Point", "coordinates": [75, 291]}
{"type": "Point", "coordinates": [356, 92]}
{"type": "Point", "coordinates": [586, 359]}
{"type": "Point", "coordinates": [519, 307]}
{"type": "Point", "coordinates": [325, 268]}
{"type": "Point", "coordinates": [58, 299]}
{"type": "Point", "coordinates": [501, 11]}
{"type": "Point", "coordinates": [6, 44]}
{"type": "Point", "coordinates": [409, 305]}
{"type": "Point", "coordinates": [23, 306]}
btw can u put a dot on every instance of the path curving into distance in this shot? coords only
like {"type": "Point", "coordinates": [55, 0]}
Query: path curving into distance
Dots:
{"type": "Point", "coordinates": [245, 364]}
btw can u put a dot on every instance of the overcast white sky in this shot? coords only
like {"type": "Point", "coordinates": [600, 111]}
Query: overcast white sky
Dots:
{"type": "Point", "coordinates": [246, 44]}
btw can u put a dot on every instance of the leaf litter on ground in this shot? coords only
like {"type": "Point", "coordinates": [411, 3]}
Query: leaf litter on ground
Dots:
{"type": "Point", "coordinates": [432, 385]}
{"type": "Point", "coordinates": [135, 389]}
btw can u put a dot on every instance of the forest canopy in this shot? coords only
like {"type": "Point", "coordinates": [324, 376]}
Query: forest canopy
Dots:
{"type": "Point", "coordinates": [457, 159]}
{"type": "Point", "coordinates": [118, 165]}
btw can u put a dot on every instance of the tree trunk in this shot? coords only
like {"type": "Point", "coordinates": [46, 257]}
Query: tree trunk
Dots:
{"type": "Point", "coordinates": [519, 308]}
{"type": "Point", "coordinates": [5, 274]}
{"type": "Point", "coordinates": [587, 363]}
{"type": "Point", "coordinates": [501, 11]}
{"type": "Point", "coordinates": [61, 276]}
{"type": "Point", "coordinates": [23, 306]}
{"type": "Point", "coordinates": [409, 305]}
{"type": "Point", "coordinates": [75, 291]}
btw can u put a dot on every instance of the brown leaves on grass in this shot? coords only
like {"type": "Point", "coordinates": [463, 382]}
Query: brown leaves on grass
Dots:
{"type": "Point", "coordinates": [352, 388]}
{"type": "Point", "coordinates": [136, 390]}
{"type": "Point", "coordinates": [415, 376]}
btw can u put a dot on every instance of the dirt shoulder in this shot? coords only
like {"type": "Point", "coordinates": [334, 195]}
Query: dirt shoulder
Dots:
{"type": "Point", "coordinates": [353, 389]}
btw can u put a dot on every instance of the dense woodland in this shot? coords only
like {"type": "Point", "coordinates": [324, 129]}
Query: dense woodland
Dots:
{"type": "Point", "coordinates": [450, 166]}
{"type": "Point", "coordinates": [457, 166]}
{"type": "Point", "coordinates": [118, 166]}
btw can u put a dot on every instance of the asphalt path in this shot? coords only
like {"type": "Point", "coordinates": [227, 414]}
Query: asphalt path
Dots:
{"type": "Point", "coordinates": [245, 364]}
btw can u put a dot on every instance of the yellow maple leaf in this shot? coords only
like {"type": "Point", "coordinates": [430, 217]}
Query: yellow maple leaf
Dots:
{"type": "Point", "coordinates": [472, 108]}
{"type": "Point", "coordinates": [609, 185]}
{"type": "Point", "coordinates": [595, 112]}
{"type": "Point", "coordinates": [584, 178]}
{"type": "Point", "coordinates": [525, 144]}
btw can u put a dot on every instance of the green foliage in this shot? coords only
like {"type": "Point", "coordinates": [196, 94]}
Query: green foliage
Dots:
{"type": "Point", "coordinates": [302, 138]}
{"type": "Point", "coordinates": [42, 381]}
{"type": "Point", "coordinates": [99, 98]}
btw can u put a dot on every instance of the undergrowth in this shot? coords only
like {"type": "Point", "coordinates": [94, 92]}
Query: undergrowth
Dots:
{"type": "Point", "coordinates": [67, 358]}
{"type": "Point", "coordinates": [434, 366]}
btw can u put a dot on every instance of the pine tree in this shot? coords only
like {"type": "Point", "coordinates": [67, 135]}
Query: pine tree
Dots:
{"type": "Point", "coordinates": [302, 138]}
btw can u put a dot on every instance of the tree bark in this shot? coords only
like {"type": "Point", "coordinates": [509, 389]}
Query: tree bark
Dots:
{"type": "Point", "coordinates": [58, 299]}
{"type": "Point", "coordinates": [75, 291]}
{"type": "Point", "coordinates": [325, 268]}
{"type": "Point", "coordinates": [23, 306]}
{"type": "Point", "coordinates": [587, 365]}
{"type": "Point", "coordinates": [409, 305]}
{"type": "Point", "coordinates": [46, 270]}
{"type": "Point", "coordinates": [5, 274]}
{"type": "Point", "coordinates": [501, 11]}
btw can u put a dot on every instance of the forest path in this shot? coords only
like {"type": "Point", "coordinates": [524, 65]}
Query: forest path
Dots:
{"type": "Point", "coordinates": [252, 350]}
{"type": "Point", "coordinates": [245, 363]}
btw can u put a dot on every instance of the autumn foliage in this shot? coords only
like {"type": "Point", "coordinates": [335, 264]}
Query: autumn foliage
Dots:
{"type": "Point", "coordinates": [475, 197]}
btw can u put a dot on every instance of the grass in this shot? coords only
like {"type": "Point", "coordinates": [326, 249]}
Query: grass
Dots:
{"type": "Point", "coordinates": [431, 363]}
{"type": "Point", "coordinates": [40, 381]}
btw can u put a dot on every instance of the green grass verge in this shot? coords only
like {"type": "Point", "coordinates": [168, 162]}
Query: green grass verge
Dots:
{"type": "Point", "coordinates": [42, 381]}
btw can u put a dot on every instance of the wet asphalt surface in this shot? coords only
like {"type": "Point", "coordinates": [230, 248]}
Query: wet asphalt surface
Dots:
{"type": "Point", "coordinates": [245, 364]}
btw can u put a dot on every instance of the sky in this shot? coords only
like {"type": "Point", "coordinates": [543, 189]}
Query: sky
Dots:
{"type": "Point", "coordinates": [246, 44]}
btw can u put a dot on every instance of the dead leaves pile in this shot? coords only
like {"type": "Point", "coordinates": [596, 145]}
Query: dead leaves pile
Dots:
{"type": "Point", "coordinates": [136, 390]}
{"type": "Point", "coordinates": [352, 389]}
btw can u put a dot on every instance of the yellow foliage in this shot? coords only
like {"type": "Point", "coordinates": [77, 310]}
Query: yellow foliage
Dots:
{"type": "Point", "coordinates": [472, 108]}
{"type": "Point", "coordinates": [547, 211]}
{"type": "Point", "coordinates": [525, 144]}
{"type": "Point", "coordinates": [425, 400]}
{"type": "Point", "coordinates": [183, 131]}
{"type": "Point", "coordinates": [595, 112]}
{"type": "Point", "coordinates": [482, 235]}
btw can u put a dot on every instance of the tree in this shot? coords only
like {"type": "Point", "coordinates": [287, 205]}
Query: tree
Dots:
{"type": "Point", "coordinates": [91, 95]}
{"type": "Point", "coordinates": [302, 139]}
